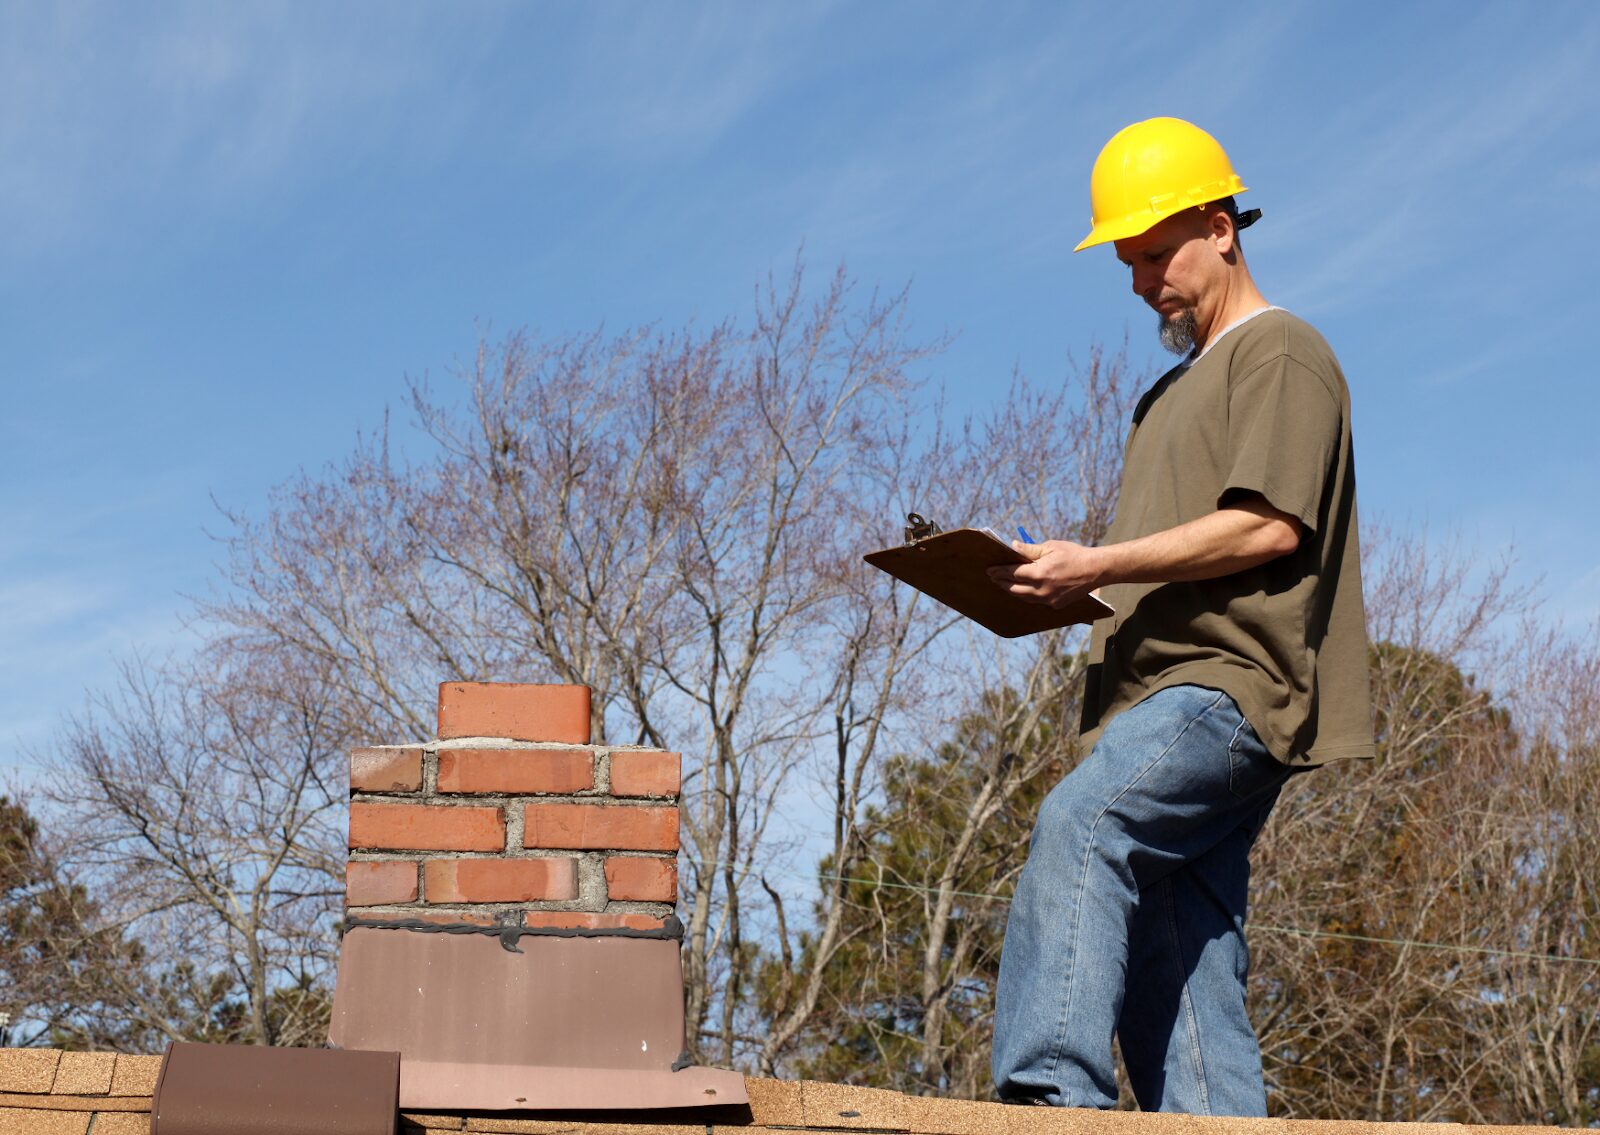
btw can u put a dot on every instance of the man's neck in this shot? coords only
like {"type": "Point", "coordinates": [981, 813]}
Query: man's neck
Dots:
{"type": "Point", "coordinates": [1241, 298]}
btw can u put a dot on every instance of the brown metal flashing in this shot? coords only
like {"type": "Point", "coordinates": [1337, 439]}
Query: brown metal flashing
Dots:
{"type": "Point", "coordinates": [562, 1024]}
{"type": "Point", "coordinates": [216, 1089]}
{"type": "Point", "coordinates": [671, 930]}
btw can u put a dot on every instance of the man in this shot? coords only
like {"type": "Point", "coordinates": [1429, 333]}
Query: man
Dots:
{"type": "Point", "coordinates": [1237, 655]}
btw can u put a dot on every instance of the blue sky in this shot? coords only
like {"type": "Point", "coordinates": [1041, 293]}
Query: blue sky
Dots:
{"type": "Point", "coordinates": [229, 231]}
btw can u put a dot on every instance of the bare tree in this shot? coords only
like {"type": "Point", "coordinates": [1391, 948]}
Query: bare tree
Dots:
{"type": "Point", "coordinates": [1393, 890]}
{"type": "Point", "coordinates": [660, 517]}
{"type": "Point", "coordinates": [1049, 455]}
{"type": "Point", "coordinates": [1545, 1007]}
{"type": "Point", "coordinates": [676, 520]}
{"type": "Point", "coordinates": [59, 957]}
{"type": "Point", "coordinates": [206, 811]}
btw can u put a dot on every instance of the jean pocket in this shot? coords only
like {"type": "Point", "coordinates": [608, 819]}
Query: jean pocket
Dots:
{"type": "Point", "coordinates": [1252, 770]}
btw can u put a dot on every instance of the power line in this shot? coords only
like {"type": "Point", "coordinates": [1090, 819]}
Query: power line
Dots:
{"type": "Point", "coordinates": [1449, 946]}
{"type": "Point", "coordinates": [1452, 947]}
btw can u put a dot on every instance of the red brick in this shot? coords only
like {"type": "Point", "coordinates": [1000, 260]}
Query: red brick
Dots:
{"type": "Point", "coordinates": [380, 883]}
{"type": "Point", "coordinates": [600, 827]}
{"type": "Point", "coordinates": [500, 880]}
{"type": "Point", "coordinates": [385, 770]}
{"type": "Point", "coordinates": [515, 770]}
{"type": "Point", "coordinates": [573, 920]}
{"type": "Point", "coordinates": [643, 880]}
{"type": "Point", "coordinates": [426, 827]}
{"type": "Point", "coordinates": [515, 711]}
{"type": "Point", "coordinates": [645, 774]}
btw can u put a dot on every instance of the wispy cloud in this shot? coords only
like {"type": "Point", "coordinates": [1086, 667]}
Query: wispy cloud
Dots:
{"type": "Point", "coordinates": [642, 83]}
{"type": "Point", "coordinates": [1448, 163]}
{"type": "Point", "coordinates": [103, 108]}
{"type": "Point", "coordinates": [1579, 602]}
{"type": "Point", "coordinates": [65, 637]}
{"type": "Point", "coordinates": [30, 605]}
{"type": "Point", "coordinates": [88, 577]}
{"type": "Point", "coordinates": [994, 138]}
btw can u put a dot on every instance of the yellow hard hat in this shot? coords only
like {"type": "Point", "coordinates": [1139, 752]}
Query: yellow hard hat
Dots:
{"type": "Point", "coordinates": [1151, 170]}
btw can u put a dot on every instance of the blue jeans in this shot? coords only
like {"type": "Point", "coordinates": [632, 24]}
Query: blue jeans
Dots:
{"type": "Point", "coordinates": [1129, 917]}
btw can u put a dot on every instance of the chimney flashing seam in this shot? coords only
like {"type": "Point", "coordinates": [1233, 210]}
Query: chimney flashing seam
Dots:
{"type": "Point", "coordinates": [485, 799]}
{"type": "Point", "coordinates": [671, 929]}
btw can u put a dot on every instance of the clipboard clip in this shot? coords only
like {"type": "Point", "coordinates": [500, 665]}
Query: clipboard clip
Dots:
{"type": "Point", "coordinates": [919, 528]}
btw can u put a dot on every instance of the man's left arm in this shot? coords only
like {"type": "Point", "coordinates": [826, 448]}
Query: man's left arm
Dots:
{"type": "Point", "coordinates": [1244, 533]}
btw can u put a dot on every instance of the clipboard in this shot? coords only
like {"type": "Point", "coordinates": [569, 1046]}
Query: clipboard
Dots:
{"type": "Point", "coordinates": [950, 567]}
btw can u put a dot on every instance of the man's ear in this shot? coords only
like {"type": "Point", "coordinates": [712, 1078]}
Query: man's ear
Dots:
{"type": "Point", "coordinates": [1223, 234]}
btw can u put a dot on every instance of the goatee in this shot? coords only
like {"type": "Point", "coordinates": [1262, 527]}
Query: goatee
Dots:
{"type": "Point", "coordinates": [1177, 333]}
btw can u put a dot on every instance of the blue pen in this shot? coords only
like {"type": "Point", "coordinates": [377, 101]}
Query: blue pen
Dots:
{"type": "Point", "coordinates": [1023, 532]}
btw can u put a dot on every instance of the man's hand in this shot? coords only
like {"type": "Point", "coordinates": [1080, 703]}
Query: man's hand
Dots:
{"type": "Point", "coordinates": [1061, 572]}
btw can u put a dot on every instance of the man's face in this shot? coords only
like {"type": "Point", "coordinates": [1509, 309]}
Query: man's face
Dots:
{"type": "Point", "coordinates": [1175, 265]}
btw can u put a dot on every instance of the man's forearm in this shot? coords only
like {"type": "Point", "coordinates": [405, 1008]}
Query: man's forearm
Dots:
{"type": "Point", "coordinates": [1242, 535]}
{"type": "Point", "coordinates": [1229, 540]}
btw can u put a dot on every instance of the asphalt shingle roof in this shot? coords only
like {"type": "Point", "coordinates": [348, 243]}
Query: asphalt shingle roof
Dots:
{"type": "Point", "coordinates": [46, 1092]}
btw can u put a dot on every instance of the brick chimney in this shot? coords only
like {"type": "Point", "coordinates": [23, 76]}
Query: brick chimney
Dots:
{"type": "Point", "coordinates": [512, 886]}
{"type": "Point", "coordinates": [512, 819]}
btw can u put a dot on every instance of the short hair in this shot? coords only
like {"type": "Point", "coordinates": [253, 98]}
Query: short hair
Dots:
{"type": "Point", "coordinates": [1242, 219]}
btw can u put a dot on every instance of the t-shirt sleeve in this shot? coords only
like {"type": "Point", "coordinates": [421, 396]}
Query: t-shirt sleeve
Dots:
{"type": "Point", "coordinates": [1283, 438]}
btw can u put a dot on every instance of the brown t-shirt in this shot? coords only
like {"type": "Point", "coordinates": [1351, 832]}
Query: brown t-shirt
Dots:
{"type": "Point", "coordinates": [1265, 410]}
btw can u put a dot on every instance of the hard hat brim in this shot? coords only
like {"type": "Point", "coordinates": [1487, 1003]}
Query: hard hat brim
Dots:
{"type": "Point", "coordinates": [1120, 228]}
{"type": "Point", "coordinates": [1108, 231]}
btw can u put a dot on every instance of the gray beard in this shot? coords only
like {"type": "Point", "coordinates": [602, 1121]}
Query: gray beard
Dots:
{"type": "Point", "coordinates": [1177, 333]}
